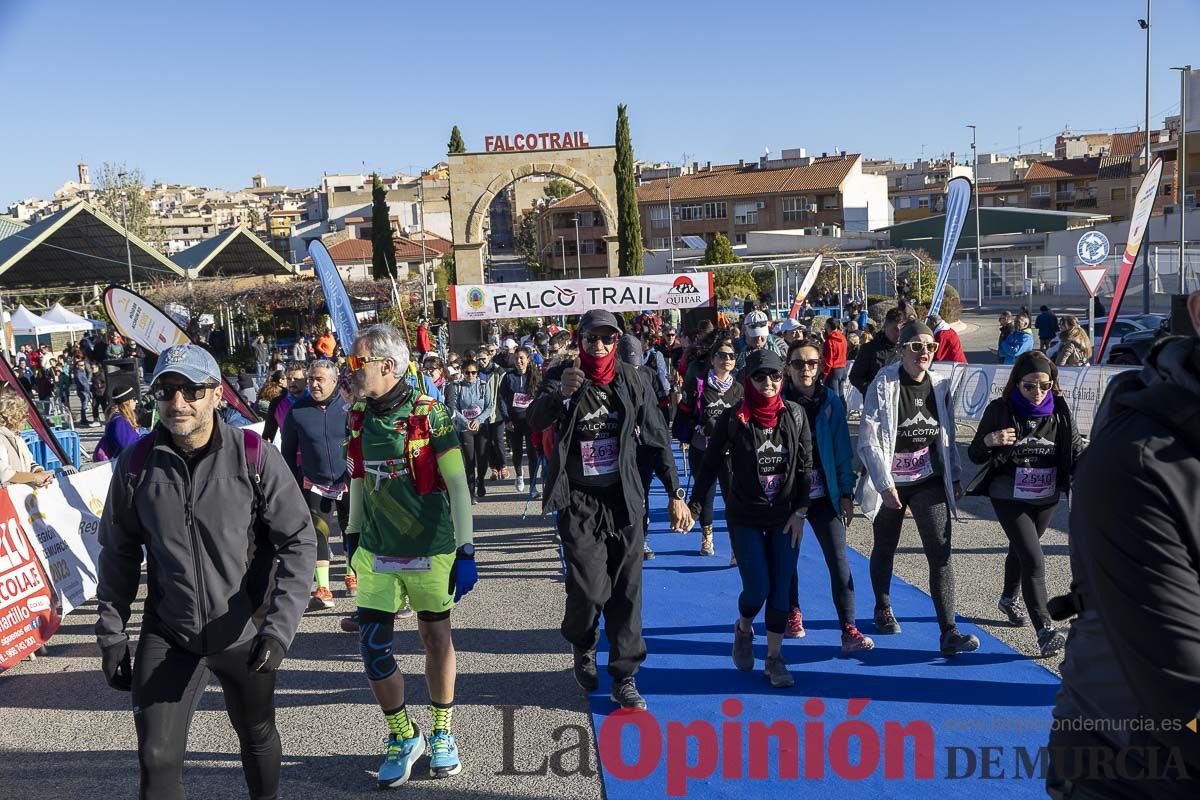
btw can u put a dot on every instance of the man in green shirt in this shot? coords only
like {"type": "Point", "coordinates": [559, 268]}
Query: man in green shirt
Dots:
{"type": "Point", "coordinates": [410, 503]}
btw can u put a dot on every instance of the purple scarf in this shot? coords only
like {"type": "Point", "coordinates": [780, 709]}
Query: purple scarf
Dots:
{"type": "Point", "coordinates": [1024, 409]}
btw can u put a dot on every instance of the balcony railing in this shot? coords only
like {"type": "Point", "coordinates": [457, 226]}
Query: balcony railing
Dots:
{"type": "Point", "coordinates": [1064, 197]}
{"type": "Point", "coordinates": [1085, 202]}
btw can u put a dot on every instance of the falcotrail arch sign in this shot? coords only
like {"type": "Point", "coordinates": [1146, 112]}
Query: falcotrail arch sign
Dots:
{"type": "Point", "coordinates": [482, 301]}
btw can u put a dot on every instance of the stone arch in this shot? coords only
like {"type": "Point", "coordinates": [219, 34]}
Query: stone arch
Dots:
{"type": "Point", "coordinates": [480, 208]}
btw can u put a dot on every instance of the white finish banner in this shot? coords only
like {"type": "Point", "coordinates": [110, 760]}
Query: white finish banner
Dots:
{"type": "Point", "coordinates": [552, 298]}
{"type": "Point", "coordinates": [63, 523]}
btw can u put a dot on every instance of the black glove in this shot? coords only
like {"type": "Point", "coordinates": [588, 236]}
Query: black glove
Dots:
{"type": "Point", "coordinates": [118, 669]}
{"type": "Point", "coordinates": [266, 654]}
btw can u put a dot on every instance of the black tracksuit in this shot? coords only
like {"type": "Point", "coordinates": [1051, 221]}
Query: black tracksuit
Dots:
{"type": "Point", "coordinates": [1134, 650]}
{"type": "Point", "coordinates": [601, 526]}
{"type": "Point", "coordinates": [872, 357]}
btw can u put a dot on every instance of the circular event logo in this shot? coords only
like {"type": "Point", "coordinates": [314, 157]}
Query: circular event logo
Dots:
{"type": "Point", "coordinates": [1093, 248]}
{"type": "Point", "coordinates": [976, 388]}
{"type": "Point", "coordinates": [475, 298]}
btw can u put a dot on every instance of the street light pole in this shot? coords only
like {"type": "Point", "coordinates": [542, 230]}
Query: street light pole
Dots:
{"type": "Point", "coordinates": [424, 266]}
{"type": "Point", "coordinates": [578, 263]}
{"type": "Point", "coordinates": [562, 240]}
{"type": "Point", "coordinates": [670, 221]}
{"type": "Point", "coordinates": [975, 181]}
{"type": "Point", "coordinates": [1146, 250]}
{"type": "Point", "coordinates": [1183, 73]}
{"type": "Point", "coordinates": [125, 227]}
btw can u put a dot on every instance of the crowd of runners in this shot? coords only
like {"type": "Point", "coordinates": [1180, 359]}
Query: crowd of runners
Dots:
{"type": "Point", "coordinates": [386, 451]}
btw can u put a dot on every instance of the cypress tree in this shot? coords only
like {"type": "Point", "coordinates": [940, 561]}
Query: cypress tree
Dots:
{"type": "Point", "coordinates": [629, 224]}
{"type": "Point", "coordinates": [456, 142]}
{"type": "Point", "coordinates": [382, 248]}
{"type": "Point", "coordinates": [719, 251]}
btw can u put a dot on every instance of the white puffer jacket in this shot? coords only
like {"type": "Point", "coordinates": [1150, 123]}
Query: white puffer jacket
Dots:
{"type": "Point", "coordinates": [877, 437]}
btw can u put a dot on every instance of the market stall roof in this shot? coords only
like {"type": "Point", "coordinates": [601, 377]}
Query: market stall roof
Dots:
{"type": "Point", "coordinates": [235, 251]}
{"type": "Point", "coordinates": [26, 323]}
{"type": "Point", "coordinates": [77, 246]}
{"type": "Point", "coordinates": [64, 316]}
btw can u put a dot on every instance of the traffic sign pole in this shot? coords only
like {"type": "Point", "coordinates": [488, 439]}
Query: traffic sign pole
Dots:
{"type": "Point", "coordinates": [1092, 326]}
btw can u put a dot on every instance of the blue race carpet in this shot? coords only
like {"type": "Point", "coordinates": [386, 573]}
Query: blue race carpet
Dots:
{"type": "Point", "coordinates": [898, 721]}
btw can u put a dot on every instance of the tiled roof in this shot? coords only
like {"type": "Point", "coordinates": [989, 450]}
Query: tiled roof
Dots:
{"type": "Point", "coordinates": [351, 251]}
{"type": "Point", "coordinates": [1127, 144]}
{"type": "Point", "coordinates": [1115, 168]}
{"type": "Point", "coordinates": [824, 174]}
{"type": "Point", "coordinates": [1063, 168]}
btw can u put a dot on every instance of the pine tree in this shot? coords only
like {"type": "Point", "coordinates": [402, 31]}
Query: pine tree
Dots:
{"type": "Point", "coordinates": [629, 224]}
{"type": "Point", "coordinates": [456, 142]}
{"type": "Point", "coordinates": [383, 251]}
{"type": "Point", "coordinates": [719, 251]}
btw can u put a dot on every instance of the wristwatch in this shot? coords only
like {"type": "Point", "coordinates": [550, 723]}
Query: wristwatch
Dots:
{"type": "Point", "coordinates": [680, 494]}
{"type": "Point", "coordinates": [467, 551]}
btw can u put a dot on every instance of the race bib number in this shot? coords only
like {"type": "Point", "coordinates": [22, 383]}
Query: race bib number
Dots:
{"type": "Point", "coordinates": [771, 484]}
{"type": "Point", "coordinates": [395, 564]}
{"type": "Point", "coordinates": [817, 487]}
{"type": "Point", "coordinates": [599, 457]}
{"type": "Point", "coordinates": [910, 467]}
{"type": "Point", "coordinates": [521, 400]}
{"type": "Point", "coordinates": [321, 490]}
{"type": "Point", "coordinates": [472, 412]}
{"type": "Point", "coordinates": [1035, 483]}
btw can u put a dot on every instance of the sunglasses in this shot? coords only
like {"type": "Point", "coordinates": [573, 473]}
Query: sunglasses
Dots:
{"type": "Point", "coordinates": [724, 356]}
{"type": "Point", "coordinates": [606, 338]}
{"type": "Point", "coordinates": [1044, 386]}
{"type": "Point", "coordinates": [801, 363]}
{"type": "Point", "coordinates": [358, 362]}
{"type": "Point", "coordinates": [763, 377]}
{"type": "Point", "coordinates": [470, 372]}
{"type": "Point", "coordinates": [190, 391]}
{"type": "Point", "coordinates": [917, 347]}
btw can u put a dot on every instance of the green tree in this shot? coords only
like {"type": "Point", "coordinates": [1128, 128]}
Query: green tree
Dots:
{"type": "Point", "coordinates": [443, 276]}
{"type": "Point", "coordinates": [735, 282]}
{"type": "Point", "coordinates": [456, 144]}
{"type": "Point", "coordinates": [629, 224]}
{"type": "Point", "coordinates": [110, 183]}
{"type": "Point", "coordinates": [527, 242]}
{"type": "Point", "coordinates": [719, 251]}
{"type": "Point", "coordinates": [383, 249]}
{"type": "Point", "coordinates": [558, 189]}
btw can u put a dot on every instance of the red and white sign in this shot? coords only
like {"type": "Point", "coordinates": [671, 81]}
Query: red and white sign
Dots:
{"type": "Point", "coordinates": [524, 142]}
{"type": "Point", "coordinates": [552, 298]}
{"type": "Point", "coordinates": [28, 616]}
{"type": "Point", "coordinates": [1091, 277]}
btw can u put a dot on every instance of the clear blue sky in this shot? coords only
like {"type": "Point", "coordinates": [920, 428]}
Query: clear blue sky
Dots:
{"type": "Point", "coordinates": [212, 92]}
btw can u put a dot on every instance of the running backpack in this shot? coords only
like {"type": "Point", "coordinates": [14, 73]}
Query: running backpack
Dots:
{"type": "Point", "coordinates": [420, 460]}
{"type": "Point", "coordinates": [255, 459]}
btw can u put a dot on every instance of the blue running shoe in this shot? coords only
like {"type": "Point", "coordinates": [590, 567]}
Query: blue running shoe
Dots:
{"type": "Point", "coordinates": [398, 763]}
{"type": "Point", "coordinates": [443, 759]}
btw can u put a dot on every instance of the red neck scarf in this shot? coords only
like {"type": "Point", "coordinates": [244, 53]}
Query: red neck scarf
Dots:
{"type": "Point", "coordinates": [758, 407]}
{"type": "Point", "coordinates": [599, 370]}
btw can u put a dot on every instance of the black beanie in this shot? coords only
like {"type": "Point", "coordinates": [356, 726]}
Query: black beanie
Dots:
{"type": "Point", "coordinates": [912, 330]}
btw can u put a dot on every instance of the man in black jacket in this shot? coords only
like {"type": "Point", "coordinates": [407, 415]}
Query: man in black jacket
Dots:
{"type": "Point", "coordinates": [878, 353]}
{"type": "Point", "coordinates": [603, 415]}
{"type": "Point", "coordinates": [1131, 676]}
{"type": "Point", "coordinates": [192, 505]}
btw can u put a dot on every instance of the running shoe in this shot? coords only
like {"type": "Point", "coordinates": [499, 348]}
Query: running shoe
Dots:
{"type": "Point", "coordinates": [351, 585]}
{"type": "Point", "coordinates": [885, 620]}
{"type": "Point", "coordinates": [647, 553]}
{"type": "Point", "coordinates": [1014, 609]}
{"type": "Point", "coordinates": [625, 694]}
{"type": "Point", "coordinates": [349, 624]}
{"type": "Point", "coordinates": [400, 757]}
{"type": "Point", "coordinates": [474, 500]}
{"type": "Point", "coordinates": [404, 613]}
{"type": "Point", "coordinates": [585, 669]}
{"type": "Point", "coordinates": [776, 670]}
{"type": "Point", "coordinates": [853, 640]}
{"type": "Point", "coordinates": [481, 491]}
{"type": "Point", "coordinates": [1051, 641]}
{"type": "Point", "coordinates": [322, 598]}
{"type": "Point", "coordinates": [520, 483]}
{"type": "Point", "coordinates": [795, 625]}
{"type": "Point", "coordinates": [706, 541]}
{"type": "Point", "coordinates": [954, 643]}
{"type": "Point", "coordinates": [443, 755]}
{"type": "Point", "coordinates": [743, 648]}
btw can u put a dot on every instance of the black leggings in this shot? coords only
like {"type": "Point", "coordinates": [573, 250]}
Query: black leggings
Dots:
{"type": "Point", "coordinates": [324, 513]}
{"type": "Point", "coordinates": [518, 437]}
{"type": "Point", "coordinates": [831, 534]}
{"type": "Point", "coordinates": [931, 512]}
{"type": "Point", "coordinates": [1024, 566]}
{"type": "Point", "coordinates": [475, 455]}
{"type": "Point", "coordinates": [495, 448]}
{"type": "Point", "coordinates": [168, 682]}
{"type": "Point", "coordinates": [695, 459]}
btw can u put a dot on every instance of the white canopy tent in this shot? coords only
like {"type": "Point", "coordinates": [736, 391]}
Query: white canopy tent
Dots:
{"type": "Point", "coordinates": [26, 323]}
{"type": "Point", "coordinates": [64, 316]}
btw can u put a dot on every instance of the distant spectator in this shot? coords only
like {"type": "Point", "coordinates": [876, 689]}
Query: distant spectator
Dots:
{"type": "Point", "coordinates": [122, 429]}
{"type": "Point", "coordinates": [949, 345]}
{"type": "Point", "coordinates": [115, 348]}
{"type": "Point", "coordinates": [262, 355]}
{"type": "Point", "coordinates": [1074, 344]}
{"type": "Point", "coordinates": [16, 462]}
{"type": "Point", "coordinates": [1018, 342]}
{"type": "Point", "coordinates": [1047, 326]}
{"type": "Point", "coordinates": [326, 345]}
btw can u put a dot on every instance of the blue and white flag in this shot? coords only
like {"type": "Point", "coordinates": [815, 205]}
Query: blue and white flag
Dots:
{"type": "Point", "coordinates": [341, 312]}
{"type": "Point", "coordinates": [958, 200]}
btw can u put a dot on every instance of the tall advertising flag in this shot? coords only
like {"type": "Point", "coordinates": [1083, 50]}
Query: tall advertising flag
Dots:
{"type": "Point", "coordinates": [145, 323]}
{"type": "Point", "coordinates": [958, 201]}
{"type": "Point", "coordinates": [806, 286]}
{"type": "Point", "coordinates": [341, 312]}
{"type": "Point", "coordinates": [36, 420]}
{"type": "Point", "coordinates": [1137, 229]}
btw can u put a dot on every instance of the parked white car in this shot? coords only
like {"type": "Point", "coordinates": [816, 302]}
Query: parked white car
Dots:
{"type": "Point", "coordinates": [1125, 324]}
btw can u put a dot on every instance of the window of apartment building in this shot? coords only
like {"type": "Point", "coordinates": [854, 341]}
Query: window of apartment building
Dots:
{"type": "Point", "coordinates": [745, 213]}
{"type": "Point", "coordinates": [185, 230]}
{"type": "Point", "coordinates": [831, 201]}
{"type": "Point", "coordinates": [659, 217]}
{"type": "Point", "coordinates": [691, 212]}
{"type": "Point", "coordinates": [206, 229]}
{"type": "Point", "coordinates": [1117, 195]}
{"type": "Point", "coordinates": [659, 243]}
{"type": "Point", "coordinates": [794, 208]}
{"type": "Point", "coordinates": [922, 202]}
{"type": "Point", "coordinates": [739, 238]}
{"type": "Point", "coordinates": [715, 211]}
{"type": "Point", "coordinates": [1039, 190]}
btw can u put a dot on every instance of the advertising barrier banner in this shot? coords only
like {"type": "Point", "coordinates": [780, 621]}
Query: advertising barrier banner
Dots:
{"type": "Point", "coordinates": [28, 617]}
{"type": "Point", "coordinates": [552, 298]}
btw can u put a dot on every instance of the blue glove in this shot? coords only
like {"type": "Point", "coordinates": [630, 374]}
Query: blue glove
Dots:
{"type": "Point", "coordinates": [463, 575]}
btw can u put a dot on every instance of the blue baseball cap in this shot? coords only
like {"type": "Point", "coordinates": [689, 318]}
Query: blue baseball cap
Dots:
{"type": "Point", "coordinates": [190, 362]}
